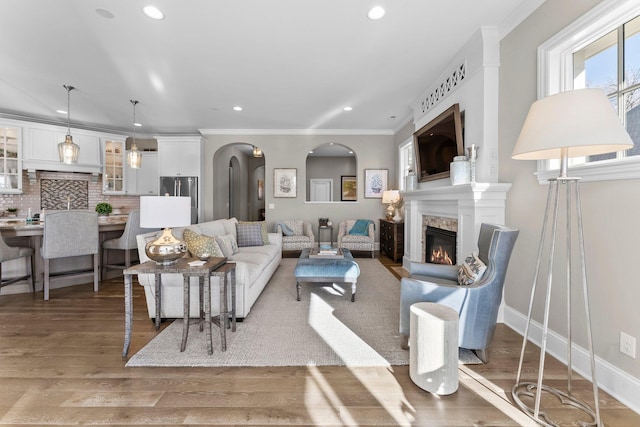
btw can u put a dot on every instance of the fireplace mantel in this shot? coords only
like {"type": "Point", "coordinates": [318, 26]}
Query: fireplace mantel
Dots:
{"type": "Point", "coordinates": [469, 204]}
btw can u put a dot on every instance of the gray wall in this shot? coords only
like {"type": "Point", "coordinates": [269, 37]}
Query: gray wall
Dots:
{"type": "Point", "coordinates": [290, 151]}
{"type": "Point", "coordinates": [609, 208]}
{"type": "Point", "coordinates": [330, 168]}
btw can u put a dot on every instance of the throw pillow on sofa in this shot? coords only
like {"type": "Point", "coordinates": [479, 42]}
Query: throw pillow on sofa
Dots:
{"type": "Point", "coordinates": [200, 245]}
{"type": "Point", "coordinates": [228, 244]}
{"type": "Point", "coordinates": [263, 230]}
{"type": "Point", "coordinates": [249, 234]}
{"type": "Point", "coordinates": [471, 270]}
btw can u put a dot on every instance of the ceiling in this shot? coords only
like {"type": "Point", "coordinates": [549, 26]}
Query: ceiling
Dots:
{"type": "Point", "coordinates": [290, 64]}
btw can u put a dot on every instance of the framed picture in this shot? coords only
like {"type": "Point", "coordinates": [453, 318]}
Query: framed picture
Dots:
{"type": "Point", "coordinates": [348, 188]}
{"type": "Point", "coordinates": [284, 182]}
{"type": "Point", "coordinates": [375, 182]}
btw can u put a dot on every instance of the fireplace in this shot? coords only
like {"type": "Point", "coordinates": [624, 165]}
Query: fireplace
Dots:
{"type": "Point", "coordinates": [440, 246]}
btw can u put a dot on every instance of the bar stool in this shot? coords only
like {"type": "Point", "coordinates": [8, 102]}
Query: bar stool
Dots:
{"type": "Point", "coordinates": [8, 253]}
{"type": "Point", "coordinates": [126, 242]}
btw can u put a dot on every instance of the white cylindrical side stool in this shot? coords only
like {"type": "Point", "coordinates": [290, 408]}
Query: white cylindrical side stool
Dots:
{"type": "Point", "coordinates": [433, 347]}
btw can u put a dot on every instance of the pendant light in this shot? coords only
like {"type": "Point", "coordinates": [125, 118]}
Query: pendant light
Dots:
{"type": "Point", "coordinates": [257, 152]}
{"type": "Point", "coordinates": [134, 157]}
{"type": "Point", "coordinates": [68, 150]}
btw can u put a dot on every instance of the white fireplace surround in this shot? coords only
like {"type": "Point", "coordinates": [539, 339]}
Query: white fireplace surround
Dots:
{"type": "Point", "coordinates": [469, 204]}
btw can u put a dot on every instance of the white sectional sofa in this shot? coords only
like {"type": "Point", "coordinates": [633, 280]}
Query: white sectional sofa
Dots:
{"type": "Point", "coordinates": [254, 267]}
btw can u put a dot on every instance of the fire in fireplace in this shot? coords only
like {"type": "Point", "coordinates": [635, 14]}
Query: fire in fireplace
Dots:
{"type": "Point", "coordinates": [440, 246]}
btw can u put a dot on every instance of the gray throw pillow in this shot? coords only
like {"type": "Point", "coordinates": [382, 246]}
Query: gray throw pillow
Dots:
{"type": "Point", "coordinates": [249, 234]}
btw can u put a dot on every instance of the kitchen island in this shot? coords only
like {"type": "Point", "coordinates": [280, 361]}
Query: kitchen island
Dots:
{"type": "Point", "coordinates": [16, 232]}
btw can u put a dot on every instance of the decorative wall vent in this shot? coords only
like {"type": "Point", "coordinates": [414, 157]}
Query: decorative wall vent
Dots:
{"type": "Point", "coordinates": [445, 87]}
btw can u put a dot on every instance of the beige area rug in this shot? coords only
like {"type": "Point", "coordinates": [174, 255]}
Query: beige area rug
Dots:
{"type": "Point", "coordinates": [324, 328]}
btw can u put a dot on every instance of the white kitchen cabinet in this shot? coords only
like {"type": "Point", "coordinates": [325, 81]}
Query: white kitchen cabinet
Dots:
{"type": "Point", "coordinates": [179, 156]}
{"type": "Point", "coordinates": [10, 159]}
{"type": "Point", "coordinates": [113, 169]}
{"type": "Point", "coordinates": [143, 181]}
{"type": "Point", "coordinates": [41, 149]}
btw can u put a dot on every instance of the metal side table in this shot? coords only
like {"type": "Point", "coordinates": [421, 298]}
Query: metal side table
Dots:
{"type": "Point", "coordinates": [150, 267]}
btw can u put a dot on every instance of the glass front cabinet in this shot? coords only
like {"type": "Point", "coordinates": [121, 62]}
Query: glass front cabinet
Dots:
{"type": "Point", "coordinates": [10, 160]}
{"type": "Point", "coordinates": [114, 161]}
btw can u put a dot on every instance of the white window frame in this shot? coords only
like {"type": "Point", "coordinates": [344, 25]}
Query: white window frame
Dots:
{"type": "Point", "coordinates": [555, 74]}
{"type": "Point", "coordinates": [405, 155]}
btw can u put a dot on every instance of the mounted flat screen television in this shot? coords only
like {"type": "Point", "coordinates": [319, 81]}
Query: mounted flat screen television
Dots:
{"type": "Point", "coordinates": [437, 143]}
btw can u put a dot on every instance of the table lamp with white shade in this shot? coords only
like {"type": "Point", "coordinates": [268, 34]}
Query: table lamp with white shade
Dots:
{"type": "Point", "coordinates": [390, 198]}
{"type": "Point", "coordinates": [165, 212]}
{"type": "Point", "coordinates": [570, 124]}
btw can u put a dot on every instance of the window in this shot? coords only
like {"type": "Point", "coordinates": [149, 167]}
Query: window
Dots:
{"type": "Point", "coordinates": [405, 162]}
{"type": "Point", "coordinates": [601, 49]}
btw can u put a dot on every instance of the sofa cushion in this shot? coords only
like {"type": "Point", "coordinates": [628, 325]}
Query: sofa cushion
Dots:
{"type": "Point", "coordinates": [200, 245]}
{"type": "Point", "coordinates": [471, 270]}
{"type": "Point", "coordinates": [249, 234]}
{"type": "Point", "coordinates": [263, 230]}
{"type": "Point", "coordinates": [227, 244]}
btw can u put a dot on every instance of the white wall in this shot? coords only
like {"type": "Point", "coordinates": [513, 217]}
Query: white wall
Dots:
{"type": "Point", "coordinates": [610, 208]}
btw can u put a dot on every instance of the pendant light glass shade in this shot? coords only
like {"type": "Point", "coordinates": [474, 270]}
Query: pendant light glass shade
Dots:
{"type": "Point", "coordinates": [68, 150]}
{"type": "Point", "coordinates": [134, 158]}
{"type": "Point", "coordinates": [257, 152]}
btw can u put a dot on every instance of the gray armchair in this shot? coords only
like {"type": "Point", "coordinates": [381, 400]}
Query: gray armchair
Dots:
{"type": "Point", "coordinates": [302, 237]}
{"type": "Point", "coordinates": [477, 305]}
{"type": "Point", "coordinates": [126, 242]}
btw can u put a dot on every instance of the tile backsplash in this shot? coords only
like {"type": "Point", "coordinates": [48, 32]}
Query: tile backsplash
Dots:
{"type": "Point", "coordinates": [51, 190]}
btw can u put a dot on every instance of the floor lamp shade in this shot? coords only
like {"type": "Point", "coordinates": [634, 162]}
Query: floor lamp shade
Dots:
{"type": "Point", "coordinates": [165, 212]}
{"type": "Point", "coordinates": [581, 121]}
{"type": "Point", "coordinates": [570, 124]}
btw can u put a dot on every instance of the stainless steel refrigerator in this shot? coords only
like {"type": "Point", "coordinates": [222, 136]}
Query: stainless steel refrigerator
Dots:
{"type": "Point", "coordinates": [186, 186]}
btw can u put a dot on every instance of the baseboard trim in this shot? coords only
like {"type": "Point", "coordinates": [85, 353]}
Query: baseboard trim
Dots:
{"type": "Point", "coordinates": [618, 383]}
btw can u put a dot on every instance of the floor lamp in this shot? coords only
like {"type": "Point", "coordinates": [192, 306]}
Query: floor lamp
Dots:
{"type": "Point", "coordinates": [570, 124]}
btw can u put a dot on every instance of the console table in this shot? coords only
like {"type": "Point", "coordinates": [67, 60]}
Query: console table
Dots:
{"type": "Point", "coordinates": [181, 266]}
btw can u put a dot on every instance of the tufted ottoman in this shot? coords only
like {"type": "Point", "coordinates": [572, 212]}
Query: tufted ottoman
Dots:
{"type": "Point", "coordinates": [327, 270]}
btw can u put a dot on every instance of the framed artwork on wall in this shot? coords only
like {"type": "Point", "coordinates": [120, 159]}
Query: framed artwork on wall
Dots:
{"type": "Point", "coordinates": [375, 182]}
{"type": "Point", "coordinates": [348, 188]}
{"type": "Point", "coordinates": [284, 182]}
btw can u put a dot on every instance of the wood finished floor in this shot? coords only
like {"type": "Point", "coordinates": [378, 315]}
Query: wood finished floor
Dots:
{"type": "Point", "coordinates": [60, 364]}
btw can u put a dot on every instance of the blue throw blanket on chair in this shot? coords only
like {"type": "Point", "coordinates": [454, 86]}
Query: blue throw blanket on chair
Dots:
{"type": "Point", "coordinates": [360, 227]}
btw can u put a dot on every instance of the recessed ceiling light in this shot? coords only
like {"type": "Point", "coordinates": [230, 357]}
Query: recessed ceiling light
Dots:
{"type": "Point", "coordinates": [153, 12]}
{"type": "Point", "coordinates": [310, 151]}
{"type": "Point", "coordinates": [104, 13]}
{"type": "Point", "coordinates": [61, 111]}
{"type": "Point", "coordinates": [137, 124]}
{"type": "Point", "coordinates": [376, 12]}
{"type": "Point", "coordinates": [347, 108]}
{"type": "Point", "coordinates": [237, 108]}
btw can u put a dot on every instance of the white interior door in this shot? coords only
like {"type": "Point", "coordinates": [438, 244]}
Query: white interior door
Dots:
{"type": "Point", "coordinates": [321, 190]}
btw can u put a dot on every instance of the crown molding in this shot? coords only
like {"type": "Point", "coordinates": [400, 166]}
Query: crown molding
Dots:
{"type": "Point", "coordinates": [386, 132]}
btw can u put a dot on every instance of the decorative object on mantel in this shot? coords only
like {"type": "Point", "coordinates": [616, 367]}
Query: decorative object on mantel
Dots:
{"type": "Point", "coordinates": [134, 158]}
{"type": "Point", "coordinates": [165, 212]}
{"type": "Point", "coordinates": [103, 208]}
{"type": "Point", "coordinates": [568, 124]}
{"type": "Point", "coordinates": [472, 151]}
{"type": "Point", "coordinates": [460, 170]}
{"type": "Point", "coordinates": [68, 150]}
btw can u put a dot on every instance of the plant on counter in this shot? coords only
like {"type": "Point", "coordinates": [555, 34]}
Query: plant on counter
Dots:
{"type": "Point", "coordinates": [103, 208]}
{"type": "Point", "coordinates": [12, 211]}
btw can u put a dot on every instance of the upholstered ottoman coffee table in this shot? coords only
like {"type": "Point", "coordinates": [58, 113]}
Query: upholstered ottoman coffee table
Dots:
{"type": "Point", "coordinates": [327, 269]}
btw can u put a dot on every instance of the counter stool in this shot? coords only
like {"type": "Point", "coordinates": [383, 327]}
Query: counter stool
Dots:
{"type": "Point", "coordinates": [126, 242]}
{"type": "Point", "coordinates": [8, 253]}
{"type": "Point", "coordinates": [433, 347]}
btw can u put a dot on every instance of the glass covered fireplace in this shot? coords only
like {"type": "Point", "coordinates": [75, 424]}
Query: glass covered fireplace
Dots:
{"type": "Point", "coordinates": [440, 246]}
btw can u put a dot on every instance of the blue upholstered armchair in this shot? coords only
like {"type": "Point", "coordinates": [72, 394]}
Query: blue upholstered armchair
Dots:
{"type": "Point", "coordinates": [477, 305]}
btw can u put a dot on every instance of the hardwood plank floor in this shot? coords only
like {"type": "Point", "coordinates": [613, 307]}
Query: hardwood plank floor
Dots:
{"type": "Point", "coordinates": [60, 364]}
